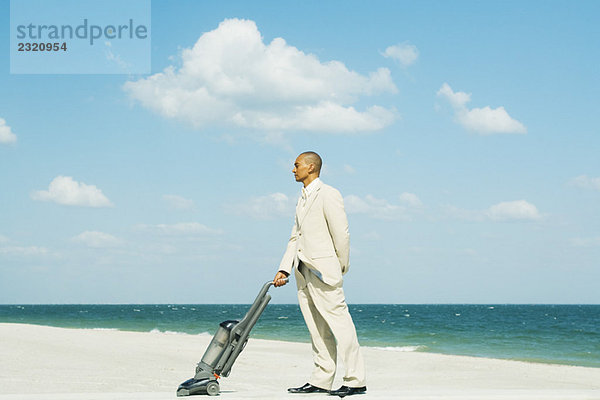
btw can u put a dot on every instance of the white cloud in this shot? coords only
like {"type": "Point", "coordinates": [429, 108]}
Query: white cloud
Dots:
{"type": "Point", "coordinates": [24, 250]}
{"type": "Point", "coordinates": [230, 77]}
{"type": "Point", "coordinates": [8, 248]}
{"type": "Point", "coordinates": [485, 120]}
{"type": "Point", "coordinates": [519, 210]}
{"type": "Point", "coordinates": [586, 182]}
{"type": "Point", "coordinates": [374, 207]}
{"type": "Point", "coordinates": [349, 169]}
{"type": "Point", "coordinates": [586, 242]}
{"type": "Point", "coordinates": [383, 209]}
{"type": "Point", "coordinates": [411, 199]}
{"type": "Point", "coordinates": [178, 202]}
{"type": "Point", "coordinates": [466, 215]}
{"type": "Point", "coordinates": [373, 235]}
{"type": "Point", "coordinates": [467, 252]}
{"type": "Point", "coordinates": [6, 134]}
{"type": "Point", "coordinates": [457, 100]}
{"type": "Point", "coordinates": [97, 239]}
{"type": "Point", "coordinates": [265, 207]}
{"type": "Point", "coordinates": [64, 190]}
{"type": "Point", "coordinates": [406, 54]}
{"type": "Point", "coordinates": [179, 229]}
{"type": "Point", "coordinates": [124, 66]}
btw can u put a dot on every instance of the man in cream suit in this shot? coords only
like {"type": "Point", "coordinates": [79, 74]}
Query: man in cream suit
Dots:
{"type": "Point", "coordinates": [318, 251]}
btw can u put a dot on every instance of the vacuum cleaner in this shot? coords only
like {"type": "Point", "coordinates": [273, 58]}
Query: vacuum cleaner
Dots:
{"type": "Point", "coordinates": [224, 348]}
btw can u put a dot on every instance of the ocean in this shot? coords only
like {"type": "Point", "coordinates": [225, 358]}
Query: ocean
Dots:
{"type": "Point", "coordinates": [556, 334]}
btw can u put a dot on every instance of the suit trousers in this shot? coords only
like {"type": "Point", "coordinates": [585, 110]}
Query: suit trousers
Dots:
{"type": "Point", "coordinates": [328, 320]}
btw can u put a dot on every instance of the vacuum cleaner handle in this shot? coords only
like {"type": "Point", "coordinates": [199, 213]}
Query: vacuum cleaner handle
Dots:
{"type": "Point", "coordinates": [257, 302]}
{"type": "Point", "coordinates": [268, 284]}
{"type": "Point", "coordinates": [241, 331]}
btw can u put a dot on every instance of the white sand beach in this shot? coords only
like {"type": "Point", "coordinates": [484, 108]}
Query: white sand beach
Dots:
{"type": "Point", "coordinates": [46, 363]}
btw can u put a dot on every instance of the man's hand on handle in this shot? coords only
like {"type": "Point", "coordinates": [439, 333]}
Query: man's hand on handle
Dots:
{"type": "Point", "coordinates": [280, 278]}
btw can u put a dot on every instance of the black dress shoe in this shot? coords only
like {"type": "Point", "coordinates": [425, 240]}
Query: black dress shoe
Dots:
{"type": "Point", "coordinates": [348, 391]}
{"type": "Point", "coordinates": [307, 388]}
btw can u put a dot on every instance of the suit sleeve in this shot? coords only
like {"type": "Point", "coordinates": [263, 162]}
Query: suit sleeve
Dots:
{"type": "Point", "coordinates": [337, 223]}
{"type": "Point", "coordinates": [287, 262]}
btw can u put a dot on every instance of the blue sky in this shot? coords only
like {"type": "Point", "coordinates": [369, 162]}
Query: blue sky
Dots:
{"type": "Point", "coordinates": [462, 135]}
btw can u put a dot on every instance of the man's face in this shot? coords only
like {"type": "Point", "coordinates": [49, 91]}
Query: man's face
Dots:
{"type": "Point", "coordinates": [301, 169]}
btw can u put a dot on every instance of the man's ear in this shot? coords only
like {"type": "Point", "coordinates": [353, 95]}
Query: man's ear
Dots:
{"type": "Point", "coordinates": [311, 168]}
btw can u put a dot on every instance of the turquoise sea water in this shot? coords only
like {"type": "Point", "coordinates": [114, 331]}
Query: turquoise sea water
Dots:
{"type": "Point", "coordinates": [561, 334]}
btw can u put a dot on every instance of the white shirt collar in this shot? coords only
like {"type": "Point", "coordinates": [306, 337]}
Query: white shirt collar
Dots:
{"type": "Point", "coordinates": [310, 189]}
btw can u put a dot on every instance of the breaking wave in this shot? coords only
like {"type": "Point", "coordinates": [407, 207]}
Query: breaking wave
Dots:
{"type": "Point", "coordinates": [405, 349]}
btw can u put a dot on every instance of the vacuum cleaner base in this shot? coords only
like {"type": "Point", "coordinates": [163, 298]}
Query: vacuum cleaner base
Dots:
{"type": "Point", "coordinates": [198, 386]}
{"type": "Point", "coordinates": [226, 345]}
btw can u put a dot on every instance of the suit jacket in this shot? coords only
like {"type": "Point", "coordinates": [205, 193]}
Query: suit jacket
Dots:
{"type": "Point", "coordinates": [320, 237]}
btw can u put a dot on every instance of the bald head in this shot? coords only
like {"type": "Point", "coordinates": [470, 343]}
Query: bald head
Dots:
{"type": "Point", "coordinates": [307, 167]}
{"type": "Point", "coordinates": [310, 157]}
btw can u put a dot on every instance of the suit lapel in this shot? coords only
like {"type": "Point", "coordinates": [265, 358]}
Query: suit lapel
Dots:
{"type": "Point", "coordinates": [298, 211]}
{"type": "Point", "coordinates": [311, 200]}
